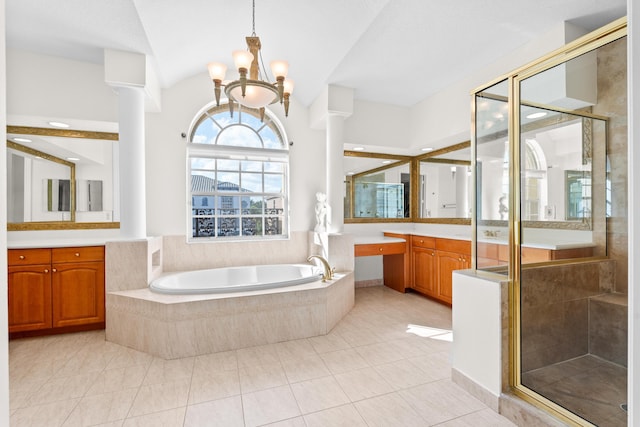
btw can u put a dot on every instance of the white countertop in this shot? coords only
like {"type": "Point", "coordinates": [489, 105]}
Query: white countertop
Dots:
{"type": "Point", "coordinates": [62, 243]}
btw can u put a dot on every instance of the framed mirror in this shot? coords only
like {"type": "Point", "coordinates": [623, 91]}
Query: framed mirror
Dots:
{"type": "Point", "coordinates": [60, 179]}
{"type": "Point", "coordinates": [377, 187]}
{"type": "Point", "coordinates": [444, 185]}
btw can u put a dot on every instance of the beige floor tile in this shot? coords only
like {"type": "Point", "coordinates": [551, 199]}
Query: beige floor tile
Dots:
{"type": "Point", "coordinates": [379, 353]}
{"type": "Point", "coordinates": [162, 371]}
{"type": "Point", "coordinates": [216, 413]}
{"type": "Point", "coordinates": [405, 374]}
{"type": "Point", "coordinates": [295, 350]}
{"type": "Point", "coordinates": [389, 410]}
{"type": "Point", "coordinates": [117, 379]}
{"type": "Point", "coordinates": [86, 363]}
{"type": "Point", "coordinates": [50, 414]}
{"type": "Point", "coordinates": [269, 406]}
{"type": "Point", "coordinates": [305, 368]}
{"type": "Point", "coordinates": [100, 409]}
{"type": "Point", "coordinates": [441, 401]}
{"type": "Point", "coordinates": [318, 394]}
{"type": "Point", "coordinates": [169, 418]}
{"type": "Point", "coordinates": [260, 377]}
{"type": "Point", "coordinates": [126, 357]}
{"type": "Point", "coordinates": [341, 416]}
{"type": "Point", "coordinates": [363, 384]}
{"type": "Point", "coordinates": [217, 362]}
{"type": "Point", "coordinates": [343, 361]}
{"type": "Point", "coordinates": [259, 355]}
{"type": "Point", "coordinates": [357, 337]}
{"type": "Point", "coordinates": [329, 342]}
{"type": "Point", "coordinates": [213, 386]}
{"type": "Point", "coordinates": [63, 388]}
{"type": "Point", "coordinates": [291, 422]}
{"type": "Point", "coordinates": [435, 365]}
{"type": "Point", "coordinates": [160, 397]}
{"type": "Point", "coordinates": [483, 418]}
{"type": "Point", "coordinates": [118, 423]}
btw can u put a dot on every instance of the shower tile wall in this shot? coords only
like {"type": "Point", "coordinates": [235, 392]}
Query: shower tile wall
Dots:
{"type": "Point", "coordinates": [555, 310]}
{"type": "Point", "coordinates": [612, 103]}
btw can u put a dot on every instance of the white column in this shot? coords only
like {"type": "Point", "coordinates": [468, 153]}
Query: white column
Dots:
{"type": "Point", "coordinates": [133, 213]}
{"type": "Point", "coordinates": [335, 171]}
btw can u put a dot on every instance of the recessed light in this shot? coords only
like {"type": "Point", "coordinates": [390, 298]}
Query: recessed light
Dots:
{"type": "Point", "coordinates": [536, 115]}
{"type": "Point", "coordinates": [386, 162]}
{"type": "Point", "coordinates": [427, 149]}
{"type": "Point", "coordinates": [18, 139]}
{"type": "Point", "coordinates": [358, 149]}
{"type": "Point", "coordinates": [59, 124]}
{"type": "Point", "coordinates": [73, 159]}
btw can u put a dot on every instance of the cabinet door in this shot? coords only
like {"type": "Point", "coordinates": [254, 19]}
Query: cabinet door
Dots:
{"type": "Point", "coordinates": [78, 293]}
{"type": "Point", "coordinates": [29, 292]}
{"type": "Point", "coordinates": [424, 271]}
{"type": "Point", "coordinates": [447, 263]}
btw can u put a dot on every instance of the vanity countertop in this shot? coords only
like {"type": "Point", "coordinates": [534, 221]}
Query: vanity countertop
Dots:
{"type": "Point", "coordinates": [62, 243]}
{"type": "Point", "coordinates": [538, 244]}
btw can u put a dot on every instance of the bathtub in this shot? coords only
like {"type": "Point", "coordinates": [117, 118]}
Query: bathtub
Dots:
{"type": "Point", "coordinates": [236, 279]}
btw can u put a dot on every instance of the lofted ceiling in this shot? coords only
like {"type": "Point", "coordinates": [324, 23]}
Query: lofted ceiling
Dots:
{"type": "Point", "coordinates": [392, 51]}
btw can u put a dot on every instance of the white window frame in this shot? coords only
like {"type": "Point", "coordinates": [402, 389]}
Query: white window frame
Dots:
{"type": "Point", "coordinates": [211, 151]}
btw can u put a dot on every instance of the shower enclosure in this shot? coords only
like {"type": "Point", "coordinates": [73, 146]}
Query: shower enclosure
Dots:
{"type": "Point", "coordinates": [550, 144]}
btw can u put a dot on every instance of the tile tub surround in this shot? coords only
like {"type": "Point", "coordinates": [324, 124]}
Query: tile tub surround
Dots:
{"type": "Point", "coordinates": [174, 326]}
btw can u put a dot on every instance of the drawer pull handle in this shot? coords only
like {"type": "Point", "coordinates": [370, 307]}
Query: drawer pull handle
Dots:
{"type": "Point", "coordinates": [380, 249]}
{"type": "Point", "coordinates": [421, 241]}
{"type": "Point", "coordinates": [54, 270]}
{"type": "Point", "coordinates": [77, 253]}
{"type": "Point", "coordinates": [21, 257]}
{"type": "Point", "coordinates": [46, 271]}
{"type": "Point", "coordinates": [433, 254]}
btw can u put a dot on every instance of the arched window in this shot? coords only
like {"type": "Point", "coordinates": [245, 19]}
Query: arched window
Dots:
{"type": "Point", "coordinates": [238, 173]}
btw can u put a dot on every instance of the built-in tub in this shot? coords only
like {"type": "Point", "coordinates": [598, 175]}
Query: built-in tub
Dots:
{"type": "Point", "coordinates": [236, 279]}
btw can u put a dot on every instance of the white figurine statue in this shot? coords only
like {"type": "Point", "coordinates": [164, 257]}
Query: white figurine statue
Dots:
{"type": "Point", "coordinates": [323, 213]}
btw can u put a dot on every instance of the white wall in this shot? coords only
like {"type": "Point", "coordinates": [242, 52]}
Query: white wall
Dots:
{"type": "Point", "coordinates": [378, 124]}
{"type": "Point", "coordinates": [445, 118]}
{"type": "Point", "coordinates": [166, 158]}
{"type": "Point", "coordinates": [4, 326]}
{"type": "Point", "coordinates": [41, 85]}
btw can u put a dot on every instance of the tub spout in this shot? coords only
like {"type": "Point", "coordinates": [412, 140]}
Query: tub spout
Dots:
{"type": "Point", "coordinates": [328, 271]}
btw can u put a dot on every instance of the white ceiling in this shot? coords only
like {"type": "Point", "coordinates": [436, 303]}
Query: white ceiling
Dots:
{"type": "Point", "coordinates": [393, 51]}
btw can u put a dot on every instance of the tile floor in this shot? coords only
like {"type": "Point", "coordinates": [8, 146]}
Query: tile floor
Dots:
{"type": "Point", "coordinates": [386, 364]}
{"type": "Point", "coordinates": [589, 386]}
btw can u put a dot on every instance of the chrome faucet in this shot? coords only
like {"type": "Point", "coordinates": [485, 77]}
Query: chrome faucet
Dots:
{"type": "Point", "coordinates": [328, 271]}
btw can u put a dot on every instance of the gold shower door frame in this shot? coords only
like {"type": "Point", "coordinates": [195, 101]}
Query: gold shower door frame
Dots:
{"type": "Point", "coordinates": [587, 43]}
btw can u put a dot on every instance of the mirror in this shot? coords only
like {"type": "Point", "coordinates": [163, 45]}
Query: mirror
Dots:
{"type": "Point", "coordinates": [377, 187]}
{"type": "Point", "coordinates": [60, 179]}
{"type": "Point", "coordinates": [445, 183]}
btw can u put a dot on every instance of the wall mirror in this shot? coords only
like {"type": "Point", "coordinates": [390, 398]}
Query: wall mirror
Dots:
{"type": "Point", "coordinates": [377, 187]}
{"type": "Point", "coordinates": [61, 179]}
{"type": "Point", "coordinates": [445, 183]}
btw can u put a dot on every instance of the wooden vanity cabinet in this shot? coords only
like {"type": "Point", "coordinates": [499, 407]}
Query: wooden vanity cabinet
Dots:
{"type": "Point", "coordinates": [29, 289]}
{"type": "Point", "coordinates": [56, 288]}
{"type": "Point", "coordinates": [423, 262]}
{"type": "Point", "coordinates": [77, 285]}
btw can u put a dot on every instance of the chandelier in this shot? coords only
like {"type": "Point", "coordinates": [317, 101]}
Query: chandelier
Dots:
{"type": "Point", "coordinates": [252, 91]}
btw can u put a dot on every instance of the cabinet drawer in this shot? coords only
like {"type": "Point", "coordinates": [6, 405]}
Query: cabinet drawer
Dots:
{"type": "Point", "coordinates": [459, 246]}
{"type": "Point", "coordinates": [28, 256]}
{"type": "Point", "coordinates": [380, 249]}
{"type": "Point", "coordinates": [76, 254]}
{"type": "Point", "coordinates": [423, 242]}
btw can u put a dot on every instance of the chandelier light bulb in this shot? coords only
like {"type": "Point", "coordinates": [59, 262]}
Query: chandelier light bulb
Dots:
{"type": "Point", "coordinates": [217, 71]}
{"type": "Point", "coordinates": [279, 68]}
{"type": "Point", "coordinates": [242, 59]}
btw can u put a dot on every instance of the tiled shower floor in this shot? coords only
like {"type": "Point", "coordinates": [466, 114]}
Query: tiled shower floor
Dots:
{"type": "Point", "coordinates": [387, 363]}
{"type": "Point", "coordinates": [588, 386]}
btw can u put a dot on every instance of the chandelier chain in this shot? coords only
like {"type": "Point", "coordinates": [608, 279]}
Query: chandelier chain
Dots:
{"type": "Point", "coordinates": [254, 19]}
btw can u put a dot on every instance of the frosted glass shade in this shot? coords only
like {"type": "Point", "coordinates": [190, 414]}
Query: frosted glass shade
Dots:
{"type": "Point", "coordinates": [217, 70]}
{"type": "Point", "coordinates": [242, 59]}
{"type": "Point", "coordinates": [258, 93]}
{"type": "Point", "coordinates": [288, 86]}
{"type": "Point", "coordinates": [279, 68]}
